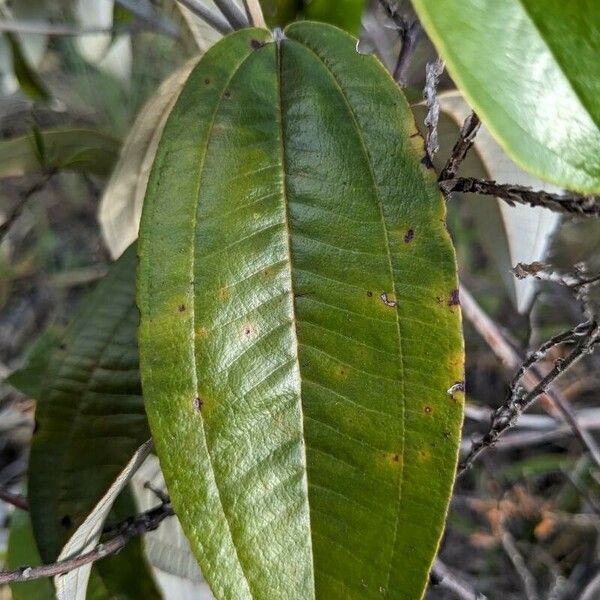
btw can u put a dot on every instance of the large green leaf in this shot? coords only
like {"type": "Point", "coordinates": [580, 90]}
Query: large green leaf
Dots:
{"type": "Point", "coordinates": [84, 150]}
{"type": "Point", "coordinates": [90, 414]}
{"type": "Point", "coordinates": [531, 71]}
{"type": "Point", "coordinates": [300, 326]}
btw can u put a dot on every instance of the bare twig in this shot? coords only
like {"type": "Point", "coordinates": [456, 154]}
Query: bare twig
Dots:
{"type": "Point", "coordinates": [516, 558]}
{"type": "Point", "coordinates": [592, 589]}
{"type": "Point", "coordinates": [533, 380]}
{"type": "Point", "coordinates": [444, 577]}
{"type": "Point", "coordinates": [124, 532]}
{"type": "Point", "coordinates": [215, 20]}
{"type": "Point", "coordinates": [58, 29]}
{"type": "Point", "coordinates": [466, 137]}
{"type": "Point", "coordinates": [433, 72]}
{"type": "Point", "coordinates": [409, 32]}
{"type": "Point", "coordinates": [24, 197]}
{"type": "Point", "coordinates": [588, 206]}
{"type": "Point", "coordinates": [506, 415]}
{"type": "Point", "coordinates": [17, 500]}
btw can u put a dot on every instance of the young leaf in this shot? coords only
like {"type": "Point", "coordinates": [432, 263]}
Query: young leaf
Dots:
{"type": "Point", "coordinates": [300, 323]}
{"type": "Point", "coordinates": [531, 71]}
{"type": "Point", "coordinates": [83, 150]}
{"type": "Point", "coordinates": [90, 414]}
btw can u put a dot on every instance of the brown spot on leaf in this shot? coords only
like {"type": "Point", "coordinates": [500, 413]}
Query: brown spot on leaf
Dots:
{"type": "Point", "coordinates": [256, 44]}
{"type": "Point", "coordinates": [63, 346]}
{"type": "Point", "coordinates": [454, 297]}
{"type": "Point", "coordinates": [428, 410]}
{"type": "Point", "coordinates": [408, 236]}
{"type": "Point", "coordinates": [227, 94]}
{"type": "Point", "coordinates": [201, 332]}
{"type": "Point", "coordinates": [249, 330]}
{"type": "Point", "coordinates": [370, 294]}
{"type": "Point", "coordinates": [387, 300]}
{"type": "Point", "coordinates": [223, 293]}
{"type": "Point", "coordinates": [198, 403]}
{"type": "Point", "coordinates": [181, 308]}
{"type": "Point", "coordinates": [207, 81]}
{"type": "Point", "coordinates": [396, 458]}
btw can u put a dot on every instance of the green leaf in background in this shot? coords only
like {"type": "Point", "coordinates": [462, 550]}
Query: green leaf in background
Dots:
{"type": "Point", "coordinates": [346, 14]}
{"type": "Point", "coordinates": [90, 413]}
{"type": "Point", "coordinates": [23, 551]}
{"type": "Point", "coordinates": [279, 13]}
{"type": "Point", "coordinates": [530, 70]}
{"type": "Point", "coordinates": [84, 150]}
{"type": "Point", "coordinates": [28, 379]}
{"type": "Point", "coordinates": [343, 13]}
{"type": "Point", "coordinates": [29, 81]}
{"type": "Point", "coordinates": [300, 323]}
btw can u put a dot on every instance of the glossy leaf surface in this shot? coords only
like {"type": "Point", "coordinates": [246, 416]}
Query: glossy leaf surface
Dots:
{"type": "Point", "coordinates": [90, 413]}
{"type": "Point", "coordinates": [300, 323]}
{"type": "Point", "coordinates": [530, 69]}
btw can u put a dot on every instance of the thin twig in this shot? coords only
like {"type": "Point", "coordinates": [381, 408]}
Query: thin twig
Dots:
{"type": "Point", "coordinates": [215, 20]}
{"type": "Point", "coordinates": [125, 531]}
{"type": "Point", "coordinates": [533, 379]}
{"type": "Point", "coordinates": [409, 32]}
{"type": "Point", "coordinates": [466, 137]}
{"type": "Point", "coordinates": [588, 206]}
{"type": "Point", "coordinates": [433, 72]}
{"type": "Point", "coordinates": [229, 9]}
{"type": "Point", "coordinates": [17, 500]}
{"type": "Point", "coordinates": [444, 577]}
{"type": "Point", "coordinates": [592, 589]}
{"type": "Point", "coordinates": [516, 558]}
{"type": "Point", "coordinates": [24, 197]}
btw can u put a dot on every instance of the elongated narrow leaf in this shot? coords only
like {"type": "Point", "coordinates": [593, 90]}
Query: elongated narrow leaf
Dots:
{"type": "Point", "coordinates": [531, 71]}
{"type": "Point", "coordinates": [300, 326]}
{"type": "Point", "coordinates": [90, 415]}
{"type": "Point", "coordinates": [70, 149]}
